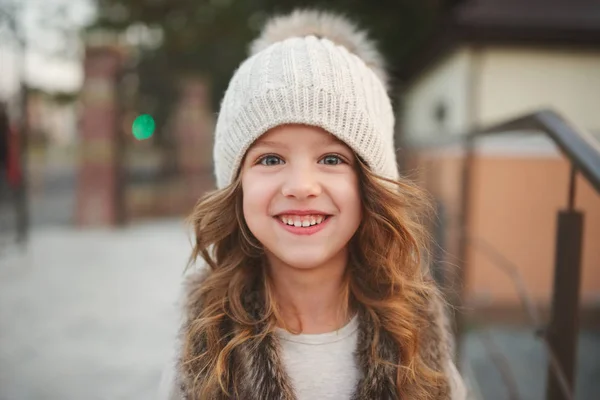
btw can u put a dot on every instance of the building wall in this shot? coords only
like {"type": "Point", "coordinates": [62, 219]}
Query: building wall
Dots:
{"type": "Point", "coordinates": [514, 199]}
{"type": "Point", "coordinates": [520, 182]}
{"type": "Point", "coordinates": [515, 205]}
{"type": "Point", "coordinates": [488, 85]}
{"type": "Point", "coordinates": [515, 80]}
{"type": "Point", "coordinates": [444, 85]}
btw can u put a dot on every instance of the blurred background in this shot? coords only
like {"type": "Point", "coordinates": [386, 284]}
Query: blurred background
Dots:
{"type": "Point", "coordinates": [498, 116]}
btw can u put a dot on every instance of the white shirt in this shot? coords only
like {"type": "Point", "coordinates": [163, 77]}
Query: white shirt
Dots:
{"type": "Point", "coordinates": [322, 366]}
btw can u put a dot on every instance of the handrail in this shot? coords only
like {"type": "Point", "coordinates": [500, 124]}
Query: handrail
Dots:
{"type": "Point", "coordinates": [578, 147]}
{"type": "Point", "coordinates": [500, 261]}
{"type": "Point", "coordinates": [582, 151]}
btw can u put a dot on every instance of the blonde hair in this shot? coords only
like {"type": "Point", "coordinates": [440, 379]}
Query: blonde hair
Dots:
{"type": "Point", "coordinates": [386, 281]}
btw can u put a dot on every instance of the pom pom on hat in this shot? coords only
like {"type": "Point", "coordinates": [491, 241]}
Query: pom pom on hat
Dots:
{"type": "Point", "coordinates": [325, 25]}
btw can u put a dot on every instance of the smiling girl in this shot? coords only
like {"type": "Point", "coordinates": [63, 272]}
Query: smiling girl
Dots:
{"type": "Point", "coordinates": [315, 285]}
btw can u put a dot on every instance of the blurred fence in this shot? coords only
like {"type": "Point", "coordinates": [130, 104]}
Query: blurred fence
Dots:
{"type": "Point", "coordinates": [121, 178]}
{"type": "Point", "coordinates": [77, 163]}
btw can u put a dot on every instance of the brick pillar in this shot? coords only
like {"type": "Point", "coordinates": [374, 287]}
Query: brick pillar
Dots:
{"type": "Point", "coordinates": [98, 187]}
{"type": "Point", "coordinates": [194, 125]}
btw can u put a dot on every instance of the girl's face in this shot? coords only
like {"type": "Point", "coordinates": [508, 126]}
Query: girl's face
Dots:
{"type": "Point", "coordinates": [300, 196]}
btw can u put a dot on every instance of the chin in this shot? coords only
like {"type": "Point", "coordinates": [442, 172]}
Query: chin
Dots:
{"type": "Point", "coordinates": [305, 265]}
{"type": "Point", "coordinates": [299, 260]}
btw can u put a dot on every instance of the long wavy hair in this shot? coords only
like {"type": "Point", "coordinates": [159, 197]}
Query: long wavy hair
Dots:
{"type": "Point", "coordinates": [387, 278]}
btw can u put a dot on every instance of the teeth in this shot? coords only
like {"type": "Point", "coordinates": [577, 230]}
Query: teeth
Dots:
{"type": "Point", "coordinates": [302, 221]}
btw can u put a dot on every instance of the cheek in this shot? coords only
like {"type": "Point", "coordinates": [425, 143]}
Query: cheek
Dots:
{"type": "Point", "coordinates": [256, 195]}
{"type": "Point", "coordinates": [347, 194]}
{"type": "Point", "coordinates": [355, 207]}
{"type": "Point", "coordinates": [249, 199]}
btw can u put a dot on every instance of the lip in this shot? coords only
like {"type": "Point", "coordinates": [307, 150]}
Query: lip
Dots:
{"type": "Point", "coordinates": [302, 212]}
{"type": "Point", "coordinates": [309, 230]}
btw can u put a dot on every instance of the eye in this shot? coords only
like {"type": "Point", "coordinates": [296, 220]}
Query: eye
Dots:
{"type": "Point", "coordinates": [331, 159]}
{"type": "Point", "coordinates": [269, 160]}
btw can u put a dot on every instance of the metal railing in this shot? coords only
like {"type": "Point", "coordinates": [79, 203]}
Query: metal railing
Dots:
{"type": "Point", "coordinates": [579, 148]}
{"type": "Point", "coordinates": [560, 335]}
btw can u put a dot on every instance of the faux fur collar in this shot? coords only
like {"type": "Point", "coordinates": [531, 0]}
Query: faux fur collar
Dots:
{"type": "Point", "coordinates": [259, 374]}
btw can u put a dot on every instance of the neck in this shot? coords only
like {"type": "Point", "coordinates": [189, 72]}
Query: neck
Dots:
{"type": "Point", "coordinates": [311, 300]}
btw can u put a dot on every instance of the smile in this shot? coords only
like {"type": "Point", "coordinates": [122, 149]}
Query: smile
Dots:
{"type": "Point", "coordinates": [302, 220]}
{"type": "Point", "coordinates": [307, 224]}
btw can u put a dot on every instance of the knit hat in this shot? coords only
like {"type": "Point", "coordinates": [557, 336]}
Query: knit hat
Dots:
{"type": "Point", "coordinates": [313, 68]}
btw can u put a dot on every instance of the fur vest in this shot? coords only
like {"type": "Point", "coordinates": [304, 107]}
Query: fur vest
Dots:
{"type": "Point", "coordinates": [261, 375]}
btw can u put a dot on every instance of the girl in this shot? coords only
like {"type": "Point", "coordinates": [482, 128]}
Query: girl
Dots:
{"type": "Point", "coordinates": [314, 286]}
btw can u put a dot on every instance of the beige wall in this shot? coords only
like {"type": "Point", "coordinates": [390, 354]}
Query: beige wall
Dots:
{"type": "Point", "coordinates": [447, 82]}
{"type": "Point", "coordinates": [514, 205]}
{"type": "Point", "coordinates": [488, 85]}
{"type": "Point", "coordinates": [514, 80]}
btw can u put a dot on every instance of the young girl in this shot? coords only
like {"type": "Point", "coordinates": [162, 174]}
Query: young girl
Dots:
{"type": "Point", "coordinates": [314, 285]}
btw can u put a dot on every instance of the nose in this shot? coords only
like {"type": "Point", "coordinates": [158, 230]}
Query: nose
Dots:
{"type": "Point", "coordinates": [301, 182]}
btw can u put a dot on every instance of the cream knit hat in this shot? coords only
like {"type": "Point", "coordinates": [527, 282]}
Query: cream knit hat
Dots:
{"type": "Point", "coordinates": [312, 68]}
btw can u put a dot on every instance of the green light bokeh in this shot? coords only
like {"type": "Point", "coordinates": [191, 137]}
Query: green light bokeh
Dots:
{"type": "Point", "coordinates": [143, 127]}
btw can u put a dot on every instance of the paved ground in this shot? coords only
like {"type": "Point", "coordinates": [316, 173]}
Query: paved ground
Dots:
{"type": "Point", "coordinates": [91, 315]}
{"type": "Point", "coordinates": [527, 362]}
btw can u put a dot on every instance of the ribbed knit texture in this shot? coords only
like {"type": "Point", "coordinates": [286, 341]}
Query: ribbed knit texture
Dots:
{"type": "Point", "coordinates": [312, 81]}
